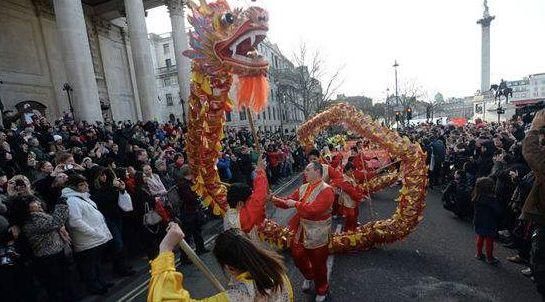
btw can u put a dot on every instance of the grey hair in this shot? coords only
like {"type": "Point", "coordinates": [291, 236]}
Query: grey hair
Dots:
{"type": "Point", "coordinates": [317, 166]}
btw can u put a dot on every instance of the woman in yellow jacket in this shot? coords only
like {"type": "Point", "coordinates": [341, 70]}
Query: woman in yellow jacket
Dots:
{"type": "Point", "coordinates": [257, 275]}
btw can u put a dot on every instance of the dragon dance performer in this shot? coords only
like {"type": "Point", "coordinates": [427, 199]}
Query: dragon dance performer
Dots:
{"type": "Point", "coordinates": [256, 274]}
{"type": "Point", "coordinates": [246, 208]}
{"type": "Point", "coordinates": [350, 198]}
{"type": "Point", "coordinates": [329, 173]}
{"type": "Point", "coordinates": [337, 162]}
{"type": "Point", "coordinates": [312, 227]}
{"type": "Point", "coordinates": [361, 171]}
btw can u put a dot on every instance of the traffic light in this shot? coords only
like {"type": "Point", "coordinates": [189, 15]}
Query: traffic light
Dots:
{"type": "Point", "coordinates": [409, 113]}
{"type": "Point", "coordinates": [398, 116]}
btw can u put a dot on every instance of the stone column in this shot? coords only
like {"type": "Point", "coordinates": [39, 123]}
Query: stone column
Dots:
{"type": "Point", "coordinates": [485, 58]}
{"type": "Point", "coordinates": [179, 35]}
{"type": "Point", "coordinates": [141, 54]}
{"type": "Point", "coordinates": [74, 45]}
{"type": "Point", "coordinates": [485, 47]}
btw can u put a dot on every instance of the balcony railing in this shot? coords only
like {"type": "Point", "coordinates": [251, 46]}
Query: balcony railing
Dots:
{"type": "Point", "coordinates": [166, 69]}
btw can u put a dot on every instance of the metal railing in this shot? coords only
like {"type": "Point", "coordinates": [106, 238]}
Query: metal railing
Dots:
{"type": "Point", "coordinates": [166, 69]}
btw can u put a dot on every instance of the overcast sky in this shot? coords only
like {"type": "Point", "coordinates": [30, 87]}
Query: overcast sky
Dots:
{"type": "Point", "coordinates": [437, 43]}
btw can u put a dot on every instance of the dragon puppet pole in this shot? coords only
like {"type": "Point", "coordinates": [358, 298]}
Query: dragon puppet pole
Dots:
{"type": "Point", "coordinates": [198, 262]}
{"type": "Point", "coordinates": [252, 128]}
{"type": "Point", "coordinates": [201, 266]}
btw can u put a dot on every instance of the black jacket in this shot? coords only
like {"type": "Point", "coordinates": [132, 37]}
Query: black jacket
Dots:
{"type": "Point", "coordinates": [487, 216]}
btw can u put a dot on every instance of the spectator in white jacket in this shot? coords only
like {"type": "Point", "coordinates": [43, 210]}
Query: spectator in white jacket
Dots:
{"type": "Point", "coordinates": [89, 232]}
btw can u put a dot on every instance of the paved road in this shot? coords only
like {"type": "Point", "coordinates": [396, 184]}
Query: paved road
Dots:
{"type": "Point", "coordinates": [435, 263]}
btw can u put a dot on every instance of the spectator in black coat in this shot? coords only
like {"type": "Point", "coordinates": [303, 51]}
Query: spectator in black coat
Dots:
{"type": "Point", "coordinates": [485, 161]}
{"type": "Point", "coordinates": [191, 210]}
{"type": "Point", "coordinates": [457, 196]}
{"type": "Point", "coordinates": [105, 192]}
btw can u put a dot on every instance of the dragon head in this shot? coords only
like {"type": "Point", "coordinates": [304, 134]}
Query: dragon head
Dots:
{"type": "Point", "coordinates": [227, 39]}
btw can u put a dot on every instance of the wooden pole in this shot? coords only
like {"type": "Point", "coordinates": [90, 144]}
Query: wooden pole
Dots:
{"type": "Point", "coordinates": [252, 128]}
{"type": "Point", "coordinates": [201, 266]}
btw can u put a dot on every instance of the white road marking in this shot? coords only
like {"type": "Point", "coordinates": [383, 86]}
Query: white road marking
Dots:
{"type": "Point", "coordinates": [332, 257]}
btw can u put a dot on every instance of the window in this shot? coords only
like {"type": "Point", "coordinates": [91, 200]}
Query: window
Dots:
{"type": "Point", "coordinates": [166, 82]}
{"type": "Point", "coordinates": [242, 115]}
{"type": "Point", "coordinates": [274, 113]}
{"type": "Point", "coordinates": [228, 116]}
{"type": "Point", "coordinates": [264, 116]}
{"type": "Point", "coordinates": [269, 112]}
{"type": "Point", "coordinates": [169, 99]}
{"type": "Point", "coordinates": [168, 62]}
{"type": "Point", "coordinates": [166, 49]}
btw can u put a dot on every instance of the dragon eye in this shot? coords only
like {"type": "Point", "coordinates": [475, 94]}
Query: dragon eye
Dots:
{"type": "Point", "coordinates": [228, 19]}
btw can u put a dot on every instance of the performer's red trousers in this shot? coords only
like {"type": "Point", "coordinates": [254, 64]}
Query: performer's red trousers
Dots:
{"type": "Point", "coordinates": [350, 218]}
{"type": "Point", "coordinates": [313, 265]}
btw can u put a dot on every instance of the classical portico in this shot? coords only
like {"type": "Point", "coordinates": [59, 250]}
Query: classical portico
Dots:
{"type": "Point", "coordinates": [99, 47]}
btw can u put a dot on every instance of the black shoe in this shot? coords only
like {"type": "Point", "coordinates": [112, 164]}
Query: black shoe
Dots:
{"type": "Point", "coordinates": [493, 261]}
{"type": "Point", "coordinates": [125, 273]}
{"type": "Point", "coordinates": [203, 251]}
{"type": "Point", "coordinates": [510, 245]}
{"type": "Point", "coordinates": [98, 291]}
{"type": "Point", "coordinates": [107, 285]}
{"type": "Point", "coordinates": [480, 257]}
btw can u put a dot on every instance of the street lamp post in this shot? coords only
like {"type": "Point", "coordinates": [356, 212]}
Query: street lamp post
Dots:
{"type": "Point", "coordinates": [1, 110]}
{"type": "Point", "coordinates": [182, 102]}
{"type": "Point", "coordinates": [396, 65]}
{"type": "Point", "coordinates": [387, 117]}
{"type": "Point", "coordinates": [66, 87]}
{"type": "Point", "coordinates": [395, 68]}
{"type": "Point", "coordinates": [282, 97]}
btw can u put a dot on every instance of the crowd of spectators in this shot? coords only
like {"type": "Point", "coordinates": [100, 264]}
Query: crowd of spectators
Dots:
{"type": "Point", "coordinates": [493, 174]}
{"type": "Point", "coordinates": [77, 197]}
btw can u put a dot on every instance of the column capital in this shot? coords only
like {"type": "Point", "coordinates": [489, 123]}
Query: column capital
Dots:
{"type": "Point", "coordinates": [175, 7]}
{"type": "Point", "coordinates": [43, 8]}
{"type": "Point", "coordinates": [101, 25]}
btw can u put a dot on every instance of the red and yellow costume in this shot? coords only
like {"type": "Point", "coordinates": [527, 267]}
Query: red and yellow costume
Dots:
{"type": "Point", "coordinates": [252, 214]}
{"type": "Point", "coordinates": [312, 227]}
{"type": "Point", "coordinates": [330, 176]}
{"type": "Point", "coordinates": [350, 197]}
{"type": "Point", "coordinates": [337, 162]}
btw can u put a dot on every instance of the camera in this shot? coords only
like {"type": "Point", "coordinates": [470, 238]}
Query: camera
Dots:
{"type": "Point", "coordinates": [20, 183]}
{"type": "Point", "coordinates": [8, 255]}
{"type": "Point", "coordinates": [68, 167]}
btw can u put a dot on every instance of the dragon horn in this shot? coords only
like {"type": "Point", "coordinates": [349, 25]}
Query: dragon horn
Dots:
{"type": "Point", "coordinates": [204, 8]}
{"type": "Point", "coordinates": [192, 5]}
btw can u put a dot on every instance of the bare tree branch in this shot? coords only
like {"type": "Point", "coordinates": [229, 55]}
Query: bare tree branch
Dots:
{"type": "Point", "coordinates": [308, 87]}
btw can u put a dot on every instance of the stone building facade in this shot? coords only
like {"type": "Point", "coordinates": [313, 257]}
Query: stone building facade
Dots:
{"type": "Point", "coordinates": [279, 114]}
{"type": "Point", "coordinates": [99, 48]}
